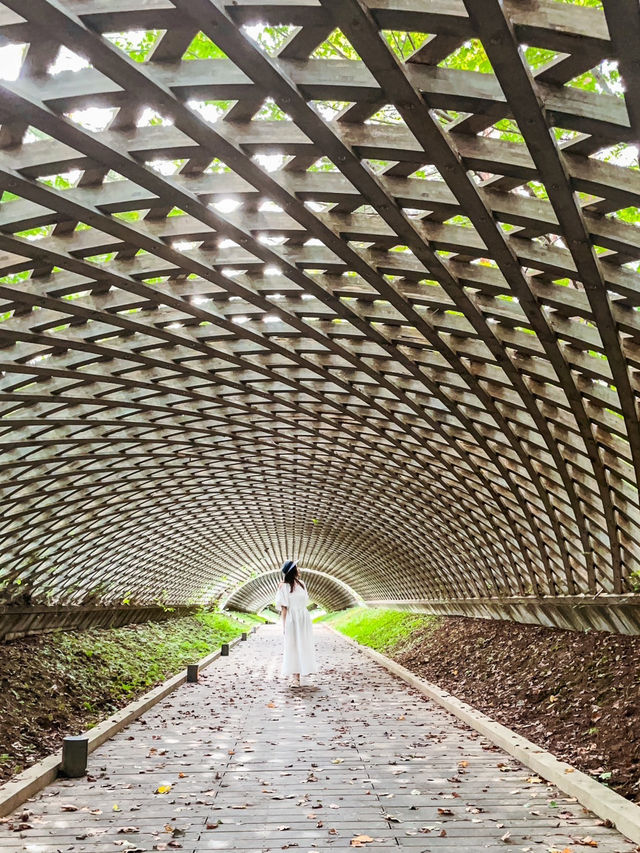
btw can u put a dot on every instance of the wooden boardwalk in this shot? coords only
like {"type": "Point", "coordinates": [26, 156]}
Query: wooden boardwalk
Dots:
{"type": "Point", "coordinates": [241, 762]}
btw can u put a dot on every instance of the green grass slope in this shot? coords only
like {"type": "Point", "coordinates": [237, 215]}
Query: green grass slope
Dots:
{"type": "Point", "coordinates": [65, 682]}
{"type": "Point", "coordinates": [381, 629]}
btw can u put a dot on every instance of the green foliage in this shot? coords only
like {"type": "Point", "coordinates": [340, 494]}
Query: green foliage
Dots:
{"type": "Point", "coordinates": [470, 56]}
{"type": "Point", "coordinates": [246, 619]}
{"type": "Point", "coordinates": [138, 44]}
{"type": "Point", "coordinates": [594, 4]}
{"type": "Point", "coordinates": [132, 659]}
{"type": "Point", "coordinates": [336, 46]}
{"type": "Point", "coordinates": [381, 629]}
{"type": "Point", "coordinates": [403, 44]}
{"type": "Point", "coordinates": [203, 48]}
{"type": "Point", "coordinates": [272, 39]}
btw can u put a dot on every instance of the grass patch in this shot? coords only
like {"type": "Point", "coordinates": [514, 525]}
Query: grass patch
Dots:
{"type": "Point", "coordinates": [68, 681]}
{"type": "Point", "coordinates": [249, 619]}
{"type": "Point", "coordinates": [383, 630]}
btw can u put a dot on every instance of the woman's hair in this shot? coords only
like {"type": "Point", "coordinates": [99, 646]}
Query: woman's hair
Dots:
{"type": "Point", "coordinates": [291, 575]}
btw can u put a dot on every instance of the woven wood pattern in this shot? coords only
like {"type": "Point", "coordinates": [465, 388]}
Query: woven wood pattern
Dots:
{"type": "Point", "coordinates": [260, 322]}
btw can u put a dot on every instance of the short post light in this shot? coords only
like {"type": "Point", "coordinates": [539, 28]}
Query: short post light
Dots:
{"type": "Point", "coordinates": [75, 751]}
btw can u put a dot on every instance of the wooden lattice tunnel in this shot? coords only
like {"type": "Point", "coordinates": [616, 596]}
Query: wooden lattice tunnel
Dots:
{"type": "Point", "coordinates": [354, 281]}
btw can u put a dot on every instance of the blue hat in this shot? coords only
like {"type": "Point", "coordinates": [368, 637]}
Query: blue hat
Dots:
{"type": "Point", "coordinates": [288, 565]}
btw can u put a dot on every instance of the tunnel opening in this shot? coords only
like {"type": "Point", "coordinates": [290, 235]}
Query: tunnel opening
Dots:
{"type": "Point", "coordinates": [325, 591]}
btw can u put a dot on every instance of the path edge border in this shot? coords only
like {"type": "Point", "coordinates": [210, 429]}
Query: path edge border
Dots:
{"type": "Point", "coordinates": [595, 796]}
{"type": "Point", "coordinates": [23, 786]}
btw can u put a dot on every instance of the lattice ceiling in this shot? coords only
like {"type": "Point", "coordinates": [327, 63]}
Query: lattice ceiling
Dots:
{"type": "Point", "coordinates": [351, 282]}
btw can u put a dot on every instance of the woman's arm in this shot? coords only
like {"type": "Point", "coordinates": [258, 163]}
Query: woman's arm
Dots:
{"type": "Point", "coordinates": [283, 610]}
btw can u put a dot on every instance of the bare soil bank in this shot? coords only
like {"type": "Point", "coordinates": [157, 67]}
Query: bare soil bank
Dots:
{"type": "Point", "coordinates": [576, 694]}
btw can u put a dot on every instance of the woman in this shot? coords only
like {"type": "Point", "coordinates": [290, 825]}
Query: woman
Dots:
{"type": "Point", "coordinates": [292, 598]}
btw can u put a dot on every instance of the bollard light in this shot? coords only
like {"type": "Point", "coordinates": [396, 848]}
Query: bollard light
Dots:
{"type": "Point", "coordinates": [224, 650]}
{"type": "Point", "coordinates": [243, 636]}
{"type": "Point", "coordinates": [75, 751]}
{"type": "Point", "coordinates": [193, 670]}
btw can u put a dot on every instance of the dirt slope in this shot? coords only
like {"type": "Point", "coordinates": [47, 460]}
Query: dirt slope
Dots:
{"type": "Point", "coordinates": [578, 695]}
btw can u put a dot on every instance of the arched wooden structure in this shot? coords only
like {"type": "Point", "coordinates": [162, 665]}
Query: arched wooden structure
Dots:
{"type": "Point", "coordinates": [260, 591]}
{"type": "Point", "coordinates": [285, 302]}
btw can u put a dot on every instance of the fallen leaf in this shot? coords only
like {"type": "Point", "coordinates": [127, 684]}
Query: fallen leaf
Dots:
{"type": "Point", "coordinates": [360, 840]}
{"type": "Point", "coordinates": [162, 789]}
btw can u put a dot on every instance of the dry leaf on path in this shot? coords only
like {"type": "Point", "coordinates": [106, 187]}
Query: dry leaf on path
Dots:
{"type": "Point", "coordinates": [361, 840]}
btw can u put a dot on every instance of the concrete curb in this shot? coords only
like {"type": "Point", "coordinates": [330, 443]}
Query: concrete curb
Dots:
{"type": "Point", "coordinates": [599, 799]}
{"type": "Point", "coordinates": [38, 776]}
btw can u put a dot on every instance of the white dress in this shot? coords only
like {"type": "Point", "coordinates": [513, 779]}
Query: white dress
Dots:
{"type": "Point", "coordinates": [299, 652]}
